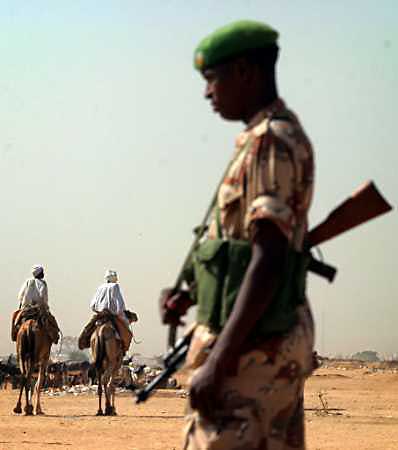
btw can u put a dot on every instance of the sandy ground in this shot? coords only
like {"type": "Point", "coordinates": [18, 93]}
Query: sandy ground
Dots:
{"type": "Point", "coordinates": [362, 414]}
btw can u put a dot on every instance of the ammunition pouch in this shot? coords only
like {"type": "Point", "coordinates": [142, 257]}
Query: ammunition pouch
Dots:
{"type": "Point", "coordinates": [218, 268]}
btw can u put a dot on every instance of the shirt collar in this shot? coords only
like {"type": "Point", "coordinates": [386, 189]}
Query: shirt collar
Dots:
{"type": "Point", "coordinates": [276, 106]}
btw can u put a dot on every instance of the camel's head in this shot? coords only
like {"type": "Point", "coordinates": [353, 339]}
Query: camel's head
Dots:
{"type": "Point", "coordinates": [131, 316]}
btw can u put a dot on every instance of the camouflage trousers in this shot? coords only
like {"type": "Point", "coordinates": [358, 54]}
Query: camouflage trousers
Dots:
{"type": "Point", "coordinates": [261, 407]}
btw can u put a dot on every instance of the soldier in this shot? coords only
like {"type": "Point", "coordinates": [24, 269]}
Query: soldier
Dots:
{"type": "Point", "coordinates": [252, 348]}
{"type": "Point", "coordinates": [33, 299]}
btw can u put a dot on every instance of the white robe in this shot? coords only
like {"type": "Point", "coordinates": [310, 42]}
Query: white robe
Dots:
{"type": "Point", "coordinates": [109, 296]}
{"type": "Point", "coordinates": [33, 292]}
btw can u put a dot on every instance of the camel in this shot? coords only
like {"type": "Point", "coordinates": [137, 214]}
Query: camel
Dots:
{"type": "Point", "coordinates": [107, 355]}
{"type": "Point", "coordinates": [33, 350]}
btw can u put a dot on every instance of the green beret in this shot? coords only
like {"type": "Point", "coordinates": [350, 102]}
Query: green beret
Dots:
{"type": "Point", "coordinates": [231, 40]}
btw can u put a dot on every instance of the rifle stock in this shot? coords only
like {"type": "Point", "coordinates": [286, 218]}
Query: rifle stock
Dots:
{"type": "Point", "coordinates": [364, 204]}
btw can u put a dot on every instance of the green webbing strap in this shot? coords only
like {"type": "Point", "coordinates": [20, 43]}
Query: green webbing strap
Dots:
{"type": "Point", "coordinates": [200, 233]}
{"type": "Point", "coordinates": [218, 222]}
{"type": "Point", "coordinates": [202, 226]}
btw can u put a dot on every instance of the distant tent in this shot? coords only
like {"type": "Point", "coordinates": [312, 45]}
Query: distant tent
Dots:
{"type": "Point", "coordinates": [367, 356]}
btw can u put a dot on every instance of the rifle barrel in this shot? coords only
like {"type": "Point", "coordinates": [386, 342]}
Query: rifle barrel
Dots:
{"type": "Point", "coordinates": [174, 363]}
{"type": "Point", "coordinates": [171, 336]}
{"type": "Point", "coordinates": [182, 342]}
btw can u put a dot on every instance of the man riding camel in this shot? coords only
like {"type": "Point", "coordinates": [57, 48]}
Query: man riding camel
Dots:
{"type": "Point", "coordinates": [108, 303]}
{"type": "Point", "coordinates": [33, 303]}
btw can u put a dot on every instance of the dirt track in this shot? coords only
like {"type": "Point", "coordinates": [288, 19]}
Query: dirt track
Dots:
{"type": "Point", "coordinates": [362, 415]}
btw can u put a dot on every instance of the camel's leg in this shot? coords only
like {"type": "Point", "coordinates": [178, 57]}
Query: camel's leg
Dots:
{"type": "Point", "coordinates": [39, 384]}
{"type": "Point", "coordinates": [112, 390]}
{"type": "Point", "coordinates": [99, 376]}
{"type": "Point", "coordinates": [114, 362]}
{"type": "Point", "coordinates": [18, 408]}
{"type": "Point", "coordinates": [110, 400]}
{"type": "Point", "coordinates": [28, 387]}
{"type": "Point", "coordinates": [108, 391]}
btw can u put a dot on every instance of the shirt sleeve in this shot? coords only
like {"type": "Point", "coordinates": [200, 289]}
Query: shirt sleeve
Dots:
{"type": "Point", "coordinates": [120, 304]}
{"type": "Point", "coordinates": [280, 187]}
{"type": "Point", "coordinates": [22, 291]}
{"type": "Point", "coordinates": [43, 292]}
{"type": "Point", "coordinates": [93, 303]}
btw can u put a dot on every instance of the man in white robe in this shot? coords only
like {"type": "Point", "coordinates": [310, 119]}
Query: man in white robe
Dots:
{"type": "Point", "coordinates": [34, 290]}
{"type": "Point", "coordinates": [109, 299]}
{"type": "Point", "coordinates": [34, 293]}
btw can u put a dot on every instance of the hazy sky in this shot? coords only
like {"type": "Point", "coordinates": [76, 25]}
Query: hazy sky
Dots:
{"type": "Point", "coordinates": [109, 155]}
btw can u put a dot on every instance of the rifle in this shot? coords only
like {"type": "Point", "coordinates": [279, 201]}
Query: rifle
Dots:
{"type": "Point", "coordinates": [172, 360]}
{"type": "Point", "coordinates": [364, 204]}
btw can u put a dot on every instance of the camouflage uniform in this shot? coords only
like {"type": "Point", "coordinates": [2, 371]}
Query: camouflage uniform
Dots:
{"type": "Point", "coordinates": [261, 405]}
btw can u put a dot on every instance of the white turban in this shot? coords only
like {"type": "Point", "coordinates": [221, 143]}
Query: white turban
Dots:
{"type": "Point", "coordinates": [37, 269]}
{"type": "Point", "coordinates": [111, 276]}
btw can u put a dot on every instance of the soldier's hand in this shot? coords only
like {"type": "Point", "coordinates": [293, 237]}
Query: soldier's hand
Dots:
{"type": "Point", "coordinates": [206, 387]}
{"type": "Point", "coordinates": [174, 304]}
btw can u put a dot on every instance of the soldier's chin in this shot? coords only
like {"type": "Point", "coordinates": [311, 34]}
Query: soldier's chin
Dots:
{"type": "Point", "coordinates": [228, 115]}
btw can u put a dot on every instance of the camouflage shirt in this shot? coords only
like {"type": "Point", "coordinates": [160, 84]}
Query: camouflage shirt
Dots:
{"type": "Point", "coordinates": [270, 177]}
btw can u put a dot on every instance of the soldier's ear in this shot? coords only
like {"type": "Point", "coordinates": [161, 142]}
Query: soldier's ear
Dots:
{"type": "Point", "coordinates": [243, 70]}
